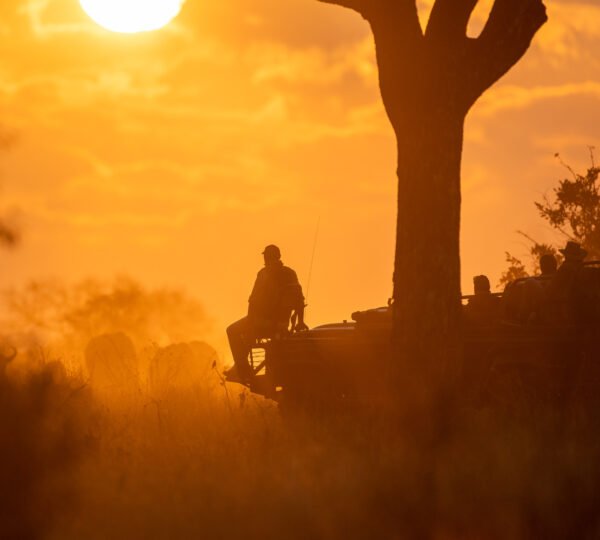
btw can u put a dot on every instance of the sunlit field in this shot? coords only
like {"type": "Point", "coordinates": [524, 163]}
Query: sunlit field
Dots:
{"type": "Point", "coordinates": [94, 449]}
{"type": "Point", "coordinates": [398, 201]}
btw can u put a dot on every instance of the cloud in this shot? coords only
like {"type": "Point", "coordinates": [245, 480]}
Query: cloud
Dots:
{"type": "Point", "coordinates": [36, 12]}
{"type": "Point", "coordinates": [52, 18]}
{"type": "Point", "coordinates": [511, 97]}
{"type": "Point", "coordinates": [572, 33]}
{"type": "Point", "coordinates": [246, 121]}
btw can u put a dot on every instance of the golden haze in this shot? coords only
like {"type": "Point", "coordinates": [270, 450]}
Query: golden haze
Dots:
{"type": "Point", "coordinates": [175, 156]}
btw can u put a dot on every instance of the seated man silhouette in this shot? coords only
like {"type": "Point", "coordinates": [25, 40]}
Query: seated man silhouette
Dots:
{"type": "Point", "coordinates": [483, 308]}
{"type": "Point", "coordinates": [276, 295]}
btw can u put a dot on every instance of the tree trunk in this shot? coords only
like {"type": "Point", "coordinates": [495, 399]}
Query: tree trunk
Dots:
{"type": "Point", "coordinates": [429, 79]}
{"type": "Point", "coordinates": [426, 332]}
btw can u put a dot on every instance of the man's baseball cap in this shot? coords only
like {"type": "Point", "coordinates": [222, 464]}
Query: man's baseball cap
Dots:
{"type": "Point", "coordinates": [272, 251]}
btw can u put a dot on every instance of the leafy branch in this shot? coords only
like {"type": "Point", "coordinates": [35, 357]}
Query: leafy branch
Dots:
{"type": "Point", "coordinates": [572, 210]}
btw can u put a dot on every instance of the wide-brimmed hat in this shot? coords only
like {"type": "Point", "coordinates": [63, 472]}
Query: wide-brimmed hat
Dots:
{"type": "Point", "coordinates": [573, 250]}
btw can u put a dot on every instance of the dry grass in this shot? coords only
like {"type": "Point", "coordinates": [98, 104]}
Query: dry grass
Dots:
{"type": "Point", "coordinates": [195, 459]}
{"type": "Point", "coordinates": [43, 433]}
{"type": "Point", "coordinates": [195, 465]}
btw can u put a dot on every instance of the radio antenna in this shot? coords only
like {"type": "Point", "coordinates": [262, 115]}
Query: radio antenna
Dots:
{"type": "Point", "coordinates": [312, 258]}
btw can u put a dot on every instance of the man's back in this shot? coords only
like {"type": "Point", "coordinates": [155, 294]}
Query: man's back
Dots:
{"type": "Point", "coordinates": [276, 293]}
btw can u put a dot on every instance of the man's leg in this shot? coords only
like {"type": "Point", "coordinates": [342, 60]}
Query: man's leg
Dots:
{"type": "Point", "coordinates": [240, 336]}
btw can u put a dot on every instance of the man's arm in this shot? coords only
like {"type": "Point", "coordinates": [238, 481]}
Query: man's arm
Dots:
{"type": "Point", "coordinates": [300, 325]}
{"type": "Point", "coordinates": [298, 303]}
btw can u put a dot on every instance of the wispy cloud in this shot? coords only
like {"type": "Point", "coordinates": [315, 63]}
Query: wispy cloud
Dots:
{"type": "Point", "coordinates": [511, 97]}
{"type": "Point", "coordinates": [256, 115]}
{"type": "Point", "coordinates": [36, 10]}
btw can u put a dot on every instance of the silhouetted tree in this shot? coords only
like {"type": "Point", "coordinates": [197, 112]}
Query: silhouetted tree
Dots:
{"type": "Point", "coordinates": [573, 211]}
{"type": "Point", "coordinates": [76, 313]}
{"type": "Point", "coordinates": [429, 80]}
{"type": "Point", "coordinates": [516, 269]}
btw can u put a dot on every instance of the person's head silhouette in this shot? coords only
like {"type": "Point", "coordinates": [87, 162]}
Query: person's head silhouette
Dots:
{"type": "Point", "coordinates": [272, 254]}
{"type": "Point", "coordinates": [481, 285]}
{"type": "Point", "coordinates": [548, 264]}
{"type": "Point", "coordinates": [573, 252]}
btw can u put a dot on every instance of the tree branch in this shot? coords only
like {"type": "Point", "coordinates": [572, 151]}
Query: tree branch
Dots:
{"type": "Point", "coordinates": [359, 6]}
{"type": "Point", "coordinates": [402, 14]}
{"type": "Point", "coordinates": [395, 25]}
{"type": "Point", "coordinates": [449, 19]}
{"type": "Point", "coordinates": [398, 44]}
{"type": "Point", "coordinates": [399, 49]}
{"type": "Point", "coordinates": [505, 39]}
{"type": "Point", "coordinates": [396, 22]}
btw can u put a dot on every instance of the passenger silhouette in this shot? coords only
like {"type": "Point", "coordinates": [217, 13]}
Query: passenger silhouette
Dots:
{"type": "Point", "coordinates": [574, 256]}
{"type": "Point", "coordinates": [483, 307]}
{"type": "Point", "coordinates": [563, 290]}
{"type": "Point", "coordinates": [275, 306]}
{"type": "Point", "coordinates": [548, 265]}
{"type": "Point", "coordinates": [532, 291]}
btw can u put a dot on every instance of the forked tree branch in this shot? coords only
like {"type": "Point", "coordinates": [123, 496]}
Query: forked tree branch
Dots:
{"type": "Point", "coordinates": [401, 13]}
{"type": "Point", "coordinates": [357, 5]}
{"type": "Point", "coordinates": [449, 20]}
{"type": "Point", "coordinates": [413, 64]}
{"type": "Point", "coordinates": [398, 44]}
{"type": "Point", "coordinates": [506, 37]}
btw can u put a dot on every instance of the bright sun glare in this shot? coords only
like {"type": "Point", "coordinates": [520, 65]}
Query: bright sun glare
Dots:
{"type": "Point", "coordinates": [130, 16]}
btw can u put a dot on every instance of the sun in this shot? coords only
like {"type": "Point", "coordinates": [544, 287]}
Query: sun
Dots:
{"type": "Point", "coordinates": [131, 16]}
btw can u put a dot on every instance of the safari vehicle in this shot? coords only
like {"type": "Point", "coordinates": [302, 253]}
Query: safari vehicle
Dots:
{"type": "Point", "coordinates": [507, 362]}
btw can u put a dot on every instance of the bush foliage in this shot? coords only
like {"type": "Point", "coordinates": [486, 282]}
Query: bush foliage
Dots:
{"type": "Point", "coordinates": [573, 212]}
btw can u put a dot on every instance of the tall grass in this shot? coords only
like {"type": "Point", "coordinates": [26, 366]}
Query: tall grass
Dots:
{"type": "Point", "coordinates": [191, 458]}
{"type": "Point", "coordinates": [43, 434]}
{"type": "Point", "coordinates": [205, 464]}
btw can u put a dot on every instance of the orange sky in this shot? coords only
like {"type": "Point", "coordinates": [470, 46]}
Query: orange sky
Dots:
{"type": "Point", "coordinates": [175, 156]}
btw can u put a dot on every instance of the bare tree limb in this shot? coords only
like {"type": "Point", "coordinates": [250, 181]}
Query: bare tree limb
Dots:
{"type": "Point", "coordinates": [357, 5]}
{"type": "Point", "coordinates": [399, 48]}
{"type": "Point", "coordinates": [449, 19]}
{"type": "Point", "coordinates": [505, 39]}
{"type": "Point", "coordinates": [395, 25]}
{"type": "Point", "coordinates": [402, 13]}
{"type": "Point", "coordinates": [398, 44]}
